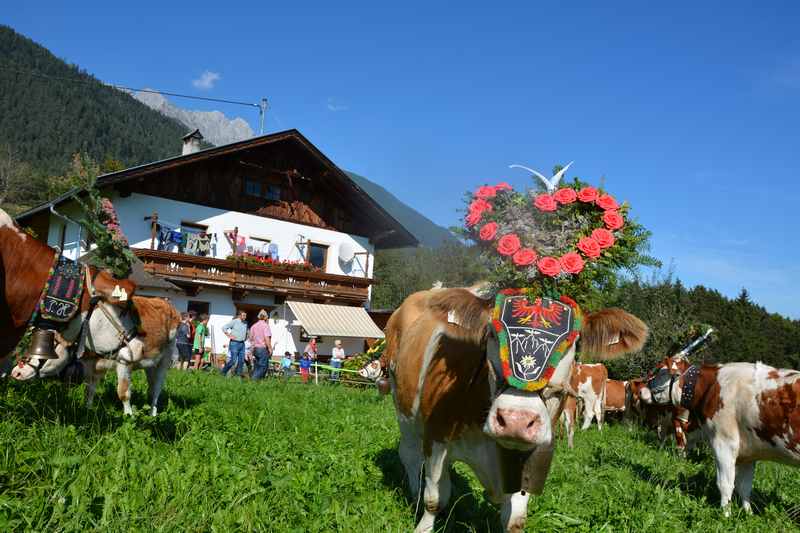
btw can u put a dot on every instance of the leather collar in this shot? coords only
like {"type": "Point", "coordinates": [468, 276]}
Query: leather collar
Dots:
{"type": "Point", "coordinates": [689, 383]}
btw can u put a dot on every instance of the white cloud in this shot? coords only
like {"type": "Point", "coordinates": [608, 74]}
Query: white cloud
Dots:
{"type": "Point", "coordinates": [206, 80]}
{"type": "Point", "coordinates": [333, 106]}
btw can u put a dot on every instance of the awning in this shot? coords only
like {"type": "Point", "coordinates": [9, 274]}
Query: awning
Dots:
{"type": "Point", "coordinates": [335, 320]}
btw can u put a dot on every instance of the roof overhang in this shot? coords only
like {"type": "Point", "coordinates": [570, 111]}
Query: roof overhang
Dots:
{"type": "Point", "coordinates": [325, 320]}
{"type": "Point", "coordinates": [389, 232]}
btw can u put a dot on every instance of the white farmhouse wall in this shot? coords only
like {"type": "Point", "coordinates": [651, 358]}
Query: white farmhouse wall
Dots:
{"type": "Point", "coordinates": [132, 210]}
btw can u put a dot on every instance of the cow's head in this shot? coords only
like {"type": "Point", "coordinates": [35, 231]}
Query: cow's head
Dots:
{"type": "Point", "coordinates": [373, 370]}
{"type": "Point", "coordinates": [523, 419]}
{"type": "Point", "coordinates": [45, 368]}
{"type": "Point", "coordinates": [662, 386]}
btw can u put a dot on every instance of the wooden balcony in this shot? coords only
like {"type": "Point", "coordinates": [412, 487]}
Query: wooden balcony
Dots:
{"type": "Point", "coordinates": [241, 276]}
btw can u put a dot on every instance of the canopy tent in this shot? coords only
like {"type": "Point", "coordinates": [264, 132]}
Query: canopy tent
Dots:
{"type": "Point", "coordinates": [335, 320]}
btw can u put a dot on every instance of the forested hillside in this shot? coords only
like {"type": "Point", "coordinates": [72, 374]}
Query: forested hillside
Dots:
{"type": "Point", "coordinates": [47, 121]}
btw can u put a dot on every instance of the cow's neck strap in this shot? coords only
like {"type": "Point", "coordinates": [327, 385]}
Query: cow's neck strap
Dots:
{"type": "Point", "coordinates": [689, 383]}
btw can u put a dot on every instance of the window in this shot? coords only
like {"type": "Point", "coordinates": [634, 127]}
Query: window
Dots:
{"type": "Point", "coordinates": [252, 188]}
{"type": "Point", "coordinates": [273, 193]}
{"type": "Point", "coordinates": [198, 307]}
{"type": "Point", "coordinates": [317, 255]}
{"type": "Point", "coordinates": [258, 246]}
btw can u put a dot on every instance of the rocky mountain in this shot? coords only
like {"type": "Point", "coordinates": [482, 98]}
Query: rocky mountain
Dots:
{"type": "Point", "coordinates": [214, 125]}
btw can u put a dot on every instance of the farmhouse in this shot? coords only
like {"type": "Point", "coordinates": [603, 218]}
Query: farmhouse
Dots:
{"type": "Point", "coordinates": [266, 223]}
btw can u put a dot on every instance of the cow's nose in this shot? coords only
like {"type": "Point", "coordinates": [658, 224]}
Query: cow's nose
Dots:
{"type": "Point", "coordinates": [517, 424]}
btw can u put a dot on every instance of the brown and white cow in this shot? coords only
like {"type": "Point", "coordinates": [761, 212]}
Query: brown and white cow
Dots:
{"type": "Point", "coordinates": [451, 407]}
{"type": "Point", "coordinates": [747, 413]}
{"type": "Point", "coordinates": [588, 381]}
{"type": "Point", "coordinates": [24, 266]}
{"type": "Point", "coordinates": [616, 398]}
{"type": "Point", "coordinates": [159, 320]}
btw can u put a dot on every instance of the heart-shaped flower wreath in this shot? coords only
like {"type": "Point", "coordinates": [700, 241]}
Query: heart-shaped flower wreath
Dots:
{"type": "Point", "coordinates": [551, 235]}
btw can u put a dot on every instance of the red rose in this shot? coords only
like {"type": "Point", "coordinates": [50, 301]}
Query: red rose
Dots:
{"type": "Point", "coordinates": [488, 231]}
{"type": "Point", "coordinates": [502, 186]}
{"type": "Point", "coordinates": [590, 247]}
{"type": "Point", "coordinates": [473, 218]}
{"type": "Point", "coordinates": [549, 266]}
{"type": "Point", "coordinates": [545, 202]}
{"type": "Point", "coordinates": [524, 257]}
{"type": "Point", "coordinates": [571, 262]}
{"type": "Point", "coordinates": [479, 206]}
{"type": "Point", "coordinates": [613, 220]}
{"type": "Point", "coordinates": [607, 202]}
{"type": "Point", "coordinates": [565, 196]}
{"type": "Point", "coordinates": [587, 194]}
{"type": "Point", "coordinates": [485, 192]}
{"type": "Point", "coordinates": [508, 244]}
{"type": "Point", "coordinates": [603, 237]}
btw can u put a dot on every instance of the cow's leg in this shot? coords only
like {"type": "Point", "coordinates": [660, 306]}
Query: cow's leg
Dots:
{"type": "Point", "coordinates": [744, 483]}
{"type": "Point", "coordinates": [124, 387]}
{"type": "Point", "coordinates": [92, 378]}
{"type": "Point", "coordinates": [598, 411]}
{"type": "Point", "coordinates": [155, 380]}
{"type": "Point", "coordinates": [437, 486]}
{"type": "Point", "coordinates": [410, 451]}
{"type": "Point", "coordinates": [725, 457]}
{"type": "Point", "coordinates": [588, 412]}
{"type": "Point", "coordinates": [515, 511]}
{"type": "Point", "coordinates": [569, 425]}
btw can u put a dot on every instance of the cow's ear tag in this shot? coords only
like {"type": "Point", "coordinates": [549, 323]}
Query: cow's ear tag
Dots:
{"type": "Point", "coordinates": [614, 339]}
{"type": "Point", "coordinates": [120, 294]}
{"type": "Point", "coordinates": [452, 318]}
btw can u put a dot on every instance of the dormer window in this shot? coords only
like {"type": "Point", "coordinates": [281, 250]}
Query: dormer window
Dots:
{"type": "Point", "coordinates": [252, 188]}
{"type": "Point", "coordinates": [273, 193]}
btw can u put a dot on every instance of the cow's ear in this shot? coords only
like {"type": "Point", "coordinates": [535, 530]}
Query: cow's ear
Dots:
{"type": "Point", "coordinates": [611, 333]}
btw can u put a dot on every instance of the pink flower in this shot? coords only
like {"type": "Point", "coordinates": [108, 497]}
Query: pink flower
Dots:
{"type": "Point", "coordinates": [607, 202]}
{"type": "Point", "coordinates": [572, 262]}
{"type": "Point", "coordinates": [502, 186]}
{"type": "Point", "coordinates": [488, 231]}
{"type": "Point", "coordinates": [473, 218]}
{"type": "Point", "coordinates": [480, 205]}
{"type": "Point", "coordinates": [603, 237]}
{"type": "Point", "coordinates": [565, 196]}
{"type": "Point", "coordinates": [549, 266]}
{"type": "Point", "coordinates": [545, 202]}
{"type": "Point", "coordinates": [590, 247]}
{"type": "Point", "coordinates": [613, 220]}
{"type": "Point", "coordinates": [485, 192]}
{"type": "Point", "coordinates": [524, 257]}
{"type": "Point", "coordinates": [587, 194]}
{"type": "Point", "coordinates": [508, 244]}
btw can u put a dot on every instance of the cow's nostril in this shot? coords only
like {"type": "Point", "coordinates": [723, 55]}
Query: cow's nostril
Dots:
{"type": "Point", "coordinates": [500, 420]}
{"type": "Point", "coordinates": [530, 424]}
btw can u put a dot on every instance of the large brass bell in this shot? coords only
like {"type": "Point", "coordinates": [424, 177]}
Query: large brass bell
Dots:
{"type": "Point", "coordinates": [42, 344]}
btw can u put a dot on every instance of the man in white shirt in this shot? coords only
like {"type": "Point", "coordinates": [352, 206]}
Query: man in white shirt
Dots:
{"type": "Point", "coordinates": [337, 358]}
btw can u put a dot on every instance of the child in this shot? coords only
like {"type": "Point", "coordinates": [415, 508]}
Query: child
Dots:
{"type": "Point", "coordinates": [184, 341]}
{"type": "Point", "coordinates": [286, 365]}
{"type": "Point", "coordinates": [305, 367]}
{"type": "Point", "coordinates": [200, 340]}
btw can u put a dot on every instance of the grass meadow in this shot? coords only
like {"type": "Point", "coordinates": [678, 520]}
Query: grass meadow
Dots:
{"type": "Point", "coordinates": [226, 455]}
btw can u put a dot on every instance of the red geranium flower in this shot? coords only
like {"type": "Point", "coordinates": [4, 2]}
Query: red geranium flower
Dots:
{"type": "Point", "coordinates": [485, 192]}
{"type": "Point", "coordinates": [488, 231]}
{"type": "Point", "coordinates": [502, 186]}
{"type": "Point", "coordinates": [607, 202]}
{"type": "Point", "coordinates": [603, 237]}
{"type": "Point", "coordinates": [508, 244]}
{"type": "Point", "coordinates": [587, 194]}
{"type": "Point", "coordinates": [549, 266]}
{"type": "Point", "coordinates": [545, 202]}
{"type": "Point", "coordinates": [571, 262]}
{"type": "Point", "coordinates": [613, 220]}
{"type": "Point", "coordinates": [590, 247]}
{"type": "Point", "coordinates": [524, 257]}
{"type": "Point", "coordinates": [565, 195]}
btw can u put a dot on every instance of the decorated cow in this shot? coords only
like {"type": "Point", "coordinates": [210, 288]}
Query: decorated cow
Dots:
{"type": "Point", "coordinates": [482, 379]}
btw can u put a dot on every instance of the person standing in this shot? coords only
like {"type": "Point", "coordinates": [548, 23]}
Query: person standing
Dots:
{"type": "Point", "coordinates": [261, 340]}
{"type": "Point", "coordinates": [337, 358]}
{"type": "Point", "coordinates": [305, 367]}
{"type": "Point", "coordinates": [183, 341]}
{"type": "Point", "coordinates": [236, 331]}
{"type": "Point", "coordinates": [200, 333]}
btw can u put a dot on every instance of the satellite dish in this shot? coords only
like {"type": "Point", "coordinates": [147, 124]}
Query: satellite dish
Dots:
{"type": "Point", "coordinates": [346, 252]}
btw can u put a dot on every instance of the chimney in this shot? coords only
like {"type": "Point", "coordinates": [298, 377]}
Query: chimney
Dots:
{"type": "Point", "coordinates": [191, 142]}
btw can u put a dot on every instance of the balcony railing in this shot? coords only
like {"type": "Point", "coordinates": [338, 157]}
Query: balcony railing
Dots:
{"type": "Point", "coordinates": [247, 276]}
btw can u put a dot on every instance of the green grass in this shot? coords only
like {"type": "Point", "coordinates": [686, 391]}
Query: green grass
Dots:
{"type": "Point", "coordinates": [226, 455]}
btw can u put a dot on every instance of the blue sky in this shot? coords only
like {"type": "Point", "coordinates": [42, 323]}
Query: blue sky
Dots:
{"type": "Point", "coordinates": [689, 112]}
